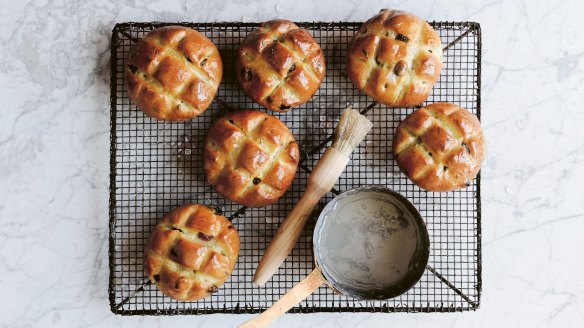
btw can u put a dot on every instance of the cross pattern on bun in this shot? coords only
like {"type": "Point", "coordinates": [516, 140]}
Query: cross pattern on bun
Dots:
{"type": "Point", "coordinates": [280, 65]}
{"type": "Point", "coordinates": [173, 73]}
{"type": "Point", "coordinates": [440, 147]}
{"type": "Point", "coordinates": [395, 58]}
{"type": "Point", "coordinates": [250, 158]}
{"type": "Point", "coordinates": [191, 252]}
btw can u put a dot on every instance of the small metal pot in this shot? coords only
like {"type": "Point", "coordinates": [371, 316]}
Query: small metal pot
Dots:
{"type": "Point", "coordinates": [361, 263]}
{"type": "Point", "coordinates": [369, 243]}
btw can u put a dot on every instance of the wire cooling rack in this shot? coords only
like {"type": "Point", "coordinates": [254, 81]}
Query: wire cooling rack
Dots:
{"type": "Point", "coordinates": [156, 166]}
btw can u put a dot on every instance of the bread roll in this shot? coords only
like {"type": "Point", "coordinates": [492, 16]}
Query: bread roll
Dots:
{"type": "Point", "coordinates": [191, 252]}
{"type": "Point", "coordinates": [280, 66]}
{"type": "Point", "coordinates": [395, 58]}
{"type": "Point", "coordinates": [250, 158]}
{"type": "Point", "coordinates": [173, 73]}
{"type": "Point", "coordinates": [440, 147]}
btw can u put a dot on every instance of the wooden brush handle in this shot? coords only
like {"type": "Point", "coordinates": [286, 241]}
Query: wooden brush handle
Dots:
{"type": "Point", "coordinates": [294, 296]}
{"type": "Point", "coordinates": [321, 180]}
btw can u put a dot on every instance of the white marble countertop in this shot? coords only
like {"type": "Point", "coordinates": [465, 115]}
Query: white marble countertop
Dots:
{"type": "Point", "coordinates": [54, 158]}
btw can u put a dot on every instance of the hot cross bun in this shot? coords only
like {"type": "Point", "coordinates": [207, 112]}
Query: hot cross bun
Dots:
{"type": "Point", "coordinates": [395, 58]}
{"type": "Point", "coordinates": [173, 73]}
{"type": "Point", "coordinates": [280, 65]}
{"type": "Point", "coordinates": [440, 147]}
{"type": "Point", "coordinates": [191, 252]}
{"type": "Point", "coordinates": [250, 158]}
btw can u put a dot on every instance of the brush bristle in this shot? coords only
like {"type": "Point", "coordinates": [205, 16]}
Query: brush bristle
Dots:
{"type": "Point", "coordinates": [352, 129]}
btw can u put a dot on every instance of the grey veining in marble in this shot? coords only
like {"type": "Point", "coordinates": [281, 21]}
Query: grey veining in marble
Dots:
{"type": "Point", "coordinates": [54, 158]}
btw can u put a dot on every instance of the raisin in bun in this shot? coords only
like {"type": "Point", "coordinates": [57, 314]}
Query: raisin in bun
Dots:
{"type": "Point", "coordinates": [250, 158]}
{"type": "Point", "coordinates": [191, 252]}
{"type": "Point", "coordinates": [440, 147]}
{"type": "Point", "coordinates": [280, 65]}
{"type": "Point", "coordinates": [173, 73]}
{"type": "Point", "coordinates": [395, 58]}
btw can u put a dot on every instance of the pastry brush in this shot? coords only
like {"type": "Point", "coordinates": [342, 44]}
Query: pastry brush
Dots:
{"type": "Point", "coordinates": [351, 130]}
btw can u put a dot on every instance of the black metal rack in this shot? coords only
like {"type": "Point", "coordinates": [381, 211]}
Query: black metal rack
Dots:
{"type": "Point", "coordinates": [156, 166]}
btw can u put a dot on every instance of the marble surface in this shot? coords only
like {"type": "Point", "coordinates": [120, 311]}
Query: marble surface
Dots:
{"type": "Point", "coordinates": [54, 165]}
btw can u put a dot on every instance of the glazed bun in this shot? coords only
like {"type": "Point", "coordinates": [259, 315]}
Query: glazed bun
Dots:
{"type": "Point", "coordinates": [250, 158]}
{"type": "Point", "coordinates": [173, 73]}
{"type": "Point", "coordinates": [280, 66]}
{"type": "Point", "coordinates": [440, 147]}
{"type": "Point", "coordinates": [395, 58]}
{"type": "Point", "coordinates": [191, 252]}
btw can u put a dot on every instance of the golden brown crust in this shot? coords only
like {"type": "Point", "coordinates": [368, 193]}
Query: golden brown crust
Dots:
{"type": "Point", "coordinates": [395, 58]}
{"type": "Point", "coordinates": [250, 158]}
{"type": "Point", "coordinates": [191, 252]}
{"type": "Point", "coordinates": [280, 65]}
{"type": "Point", "coordinates": [440, 147]}
{"type": "Point", "coordinates": [173, 73]}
